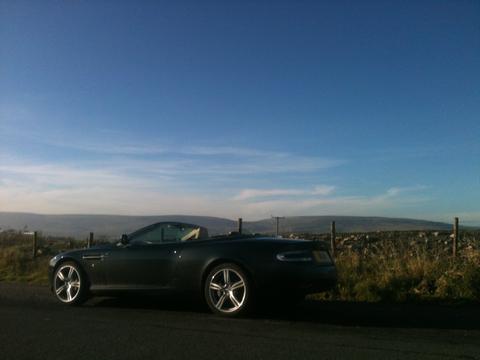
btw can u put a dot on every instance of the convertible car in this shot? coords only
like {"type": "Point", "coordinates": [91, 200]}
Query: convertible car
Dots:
{"type": "Point", "coordinates": [230, 273]}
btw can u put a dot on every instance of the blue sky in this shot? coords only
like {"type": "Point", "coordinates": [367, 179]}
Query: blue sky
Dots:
{"type": "Point", "coordinates": [247, 108]}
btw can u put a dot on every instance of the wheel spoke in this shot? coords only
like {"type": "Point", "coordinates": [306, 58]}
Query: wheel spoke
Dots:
{"type": "Point", "coordinates": [60, 289]}
{"type": "Point", "coordinates": [70, 273]}
{"type": "Point", "coordinates": [234, 300]}
{"type": "Point", "coordinates": [75, 284]}
{"type": "Point", "coordinates": [226, 276]}
{"type": "Point", "coordinates": [237, 285]}
{"type": "Point", "coordinates": [220, 301]}
{"type": "Point", "coordinates": [215, 286]}
{"type": "Point", "coordinates": [69, 294]}
{"type": "Point", "coordinates": [61, 276]}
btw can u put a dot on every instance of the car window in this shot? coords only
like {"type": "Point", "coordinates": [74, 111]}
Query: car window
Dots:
{"type": "Point", "coordinates": [166, 233]}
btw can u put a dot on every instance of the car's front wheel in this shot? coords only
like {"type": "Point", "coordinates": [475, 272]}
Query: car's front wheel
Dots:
{"type": "Point", "coordinates": [228, 290]}
{"type": "Point", "coordinates": [69, 284]}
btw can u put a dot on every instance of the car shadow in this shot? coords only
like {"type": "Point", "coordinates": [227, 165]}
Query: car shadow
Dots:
{"type": "Point", "coordinates": [144, 301]}
{"type": "Point", "coordinates": [341, 313]}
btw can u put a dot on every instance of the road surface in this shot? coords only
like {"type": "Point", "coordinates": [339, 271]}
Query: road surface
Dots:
{"type": "Point", "coordinates": [34, 326]}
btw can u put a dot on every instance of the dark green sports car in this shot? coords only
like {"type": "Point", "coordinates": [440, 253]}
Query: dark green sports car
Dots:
{"type": "Point", "coordinates": [230, 273]}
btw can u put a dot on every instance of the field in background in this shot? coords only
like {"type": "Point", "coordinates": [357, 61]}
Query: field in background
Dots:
{"type": "Point", "coordinates": [393, 266]}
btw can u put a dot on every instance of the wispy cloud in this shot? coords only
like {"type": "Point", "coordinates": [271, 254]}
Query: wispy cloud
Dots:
{"type": "Point", "coordinates": [178, 158]}
{"type": "Point", "coordinates": [28, 185]}
{"type": "Point", "coordinates": [391, 199]}
{"type": "Point", "coordinates": [47, 189]}
{"type": "Point", "coordinates": [218, 159]}
{"type": "Point", "coordinates": [248, 194]}
{"type": "Point", "coordinates": [137, 177]}
{"type": "Point", "coordinates": [109, 142]}
{"type": "Point", "coordinates": [323, 190]}
{"type": "Point", "coordinates": [256, 193]}
{"type": "Point", "coordinates": [51, 188]}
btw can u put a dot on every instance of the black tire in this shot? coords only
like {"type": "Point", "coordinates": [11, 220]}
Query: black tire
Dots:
{"type": "Point", "coordinates": [70, 284]}
{"type": "Point", "coordinates": [236, 291]}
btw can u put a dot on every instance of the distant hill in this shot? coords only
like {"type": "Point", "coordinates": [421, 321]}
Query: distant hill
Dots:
{"type": "Point", "coordinates": [112, 226]}
{"type": "Point", "coordinates": [321, 224]}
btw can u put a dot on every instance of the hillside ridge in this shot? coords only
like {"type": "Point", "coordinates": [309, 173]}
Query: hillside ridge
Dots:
{"type": "Point", "coordinates": [112, 226]}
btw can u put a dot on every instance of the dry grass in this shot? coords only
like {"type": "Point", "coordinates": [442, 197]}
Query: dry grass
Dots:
{"type": "Point", "coordinates": [405, 278]}
{"type": "Point", "coordinates": [17, 263]}
{"type": "Point", "coordinates": [407, 267]}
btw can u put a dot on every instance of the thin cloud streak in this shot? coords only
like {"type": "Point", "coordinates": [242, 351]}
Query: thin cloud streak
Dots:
{"type": "Point", "coordinates": [391, 199]}
{"type": "Point", "coordinates": [248, 194]}
{"type": "Point", "coordinates": [199, 159]}
{"type": "Point", "coordinates": [125, 145]}
{"type": "Point", "coordinates": [178, 159]}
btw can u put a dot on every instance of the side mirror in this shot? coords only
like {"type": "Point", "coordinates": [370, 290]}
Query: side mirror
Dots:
{"type": "Point", "coordinates": [124, 239]}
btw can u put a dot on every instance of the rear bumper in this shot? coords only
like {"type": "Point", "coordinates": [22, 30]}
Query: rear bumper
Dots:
{"type": "Point", "coordinates": [301, 278]}
{"type": "Point", "coordinates": [315, 279]}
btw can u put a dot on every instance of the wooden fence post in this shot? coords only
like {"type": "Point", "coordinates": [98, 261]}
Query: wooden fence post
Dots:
{"type": "Point", "coordinates": [333, 239]}
{"type": "Point", "coordinates": [240, 224]}
{"type": "Point", "coordinates": [90, 240]}
{"type": "Point", "coordinates": [34, 245]}
{"type": "Point", "coordinates": [455, 237]}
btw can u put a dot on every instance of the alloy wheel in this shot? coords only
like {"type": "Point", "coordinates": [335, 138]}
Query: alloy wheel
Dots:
{"type": "Point", "coordinates": [67, 283]}
{"type": "Point", "coordinates": [227, 290]}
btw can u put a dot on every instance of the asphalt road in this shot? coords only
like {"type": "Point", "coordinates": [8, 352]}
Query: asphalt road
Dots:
{"type": "Point", "coordinates": [34, 326]}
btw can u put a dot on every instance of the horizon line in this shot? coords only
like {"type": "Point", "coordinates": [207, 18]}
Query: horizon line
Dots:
{"type": "Point", "coordinates": [234, 220]}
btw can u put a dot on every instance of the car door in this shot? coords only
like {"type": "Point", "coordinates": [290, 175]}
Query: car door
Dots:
{"type": "Point", "coordinates": [147, 262]}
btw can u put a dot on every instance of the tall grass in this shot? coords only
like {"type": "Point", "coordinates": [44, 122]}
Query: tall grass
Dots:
{"type": "Point", "coordinates": [399, 267]}
{"type": "Point", "coordinates": [17, 262]}
{"type": "Point", "coordinates": [406, 277]}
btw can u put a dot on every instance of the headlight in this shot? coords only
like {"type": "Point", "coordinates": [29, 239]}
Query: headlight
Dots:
{"type": "Point", "coordinates": [298, 256]}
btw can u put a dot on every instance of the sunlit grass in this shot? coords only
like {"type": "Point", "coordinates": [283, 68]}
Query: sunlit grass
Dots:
{"type": "Point", "coordinates": [407, 267]}
{"type": "Point", "coordinates": [16, 259]}
{"type": "Point", "coordinates": [16, 264]}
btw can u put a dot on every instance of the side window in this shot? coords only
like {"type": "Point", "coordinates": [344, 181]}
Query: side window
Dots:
{"type": "Point", "coordinates": [149, 236]}
{"type": "Point", "coordinates": [166, 233]}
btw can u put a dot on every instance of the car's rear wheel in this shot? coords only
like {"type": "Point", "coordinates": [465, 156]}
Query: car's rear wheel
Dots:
{"type": "Point", "coordinates": [69, 284]}
{"type": "Point", "coordinates": [228, 290]}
